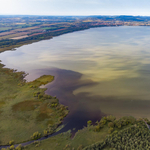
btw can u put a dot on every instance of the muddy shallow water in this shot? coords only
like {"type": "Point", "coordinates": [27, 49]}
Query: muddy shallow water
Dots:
{"type": "Point", "coordinates": [98, 71]}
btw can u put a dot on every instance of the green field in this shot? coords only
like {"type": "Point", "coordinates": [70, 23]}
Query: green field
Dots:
{"type": "Point", "coordinates": [63, 141]}
{"type": "Point", "coordinates": [48, 28]}
{"type": "Point", "coordinates": [25, 109]}
{"type": "Point", "coordinates": [5, 28]}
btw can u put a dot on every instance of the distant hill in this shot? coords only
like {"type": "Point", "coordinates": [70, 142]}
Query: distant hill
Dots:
{"type": "Point", "coordinates": [123, 18]}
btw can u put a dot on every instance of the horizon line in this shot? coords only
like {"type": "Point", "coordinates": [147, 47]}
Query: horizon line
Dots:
{"type": "Point", "coordinates": [71, 15]}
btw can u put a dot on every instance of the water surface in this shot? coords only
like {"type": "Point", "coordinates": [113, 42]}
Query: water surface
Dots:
{"type": "Point", "coordinates": [98, 71]}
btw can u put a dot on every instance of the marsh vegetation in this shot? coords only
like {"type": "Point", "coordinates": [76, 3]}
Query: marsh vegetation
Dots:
{"type": "Point", "coordinates": [26, 112]}
{"type": "Point", "coordinates": [109, 133]}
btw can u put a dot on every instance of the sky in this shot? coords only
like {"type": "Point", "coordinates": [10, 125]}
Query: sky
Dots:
{"type": "Point", "coordinates": [75, 7]}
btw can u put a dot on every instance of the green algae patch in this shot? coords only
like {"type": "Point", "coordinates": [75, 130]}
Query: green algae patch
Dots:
{"type": "Point", "coordinates": [25, 109]}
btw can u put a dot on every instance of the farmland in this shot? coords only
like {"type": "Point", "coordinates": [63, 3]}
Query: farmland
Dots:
{"type": "Point", "coordinates": [19, 30]}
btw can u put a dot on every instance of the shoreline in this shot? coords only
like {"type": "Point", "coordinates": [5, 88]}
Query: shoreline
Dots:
{"type": "Point", "coordinates": [39, 99]}
{"type": "Point", "coordinates": [55, 34]}
{"type": "Point", "coordinates": [50, 36]}
{"type": "Point", "coordinates": [27, 43]}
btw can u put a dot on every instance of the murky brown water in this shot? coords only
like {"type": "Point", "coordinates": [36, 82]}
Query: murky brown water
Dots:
{"type": "Point", "coordinates": [97, 71]}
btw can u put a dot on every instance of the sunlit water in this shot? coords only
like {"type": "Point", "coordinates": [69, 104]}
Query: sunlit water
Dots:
{"type": "Point", "coordinates": [97, 71]}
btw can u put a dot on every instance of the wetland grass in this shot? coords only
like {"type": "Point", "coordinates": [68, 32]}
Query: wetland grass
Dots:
{"type": "Point", "coordinates": [25, 108]}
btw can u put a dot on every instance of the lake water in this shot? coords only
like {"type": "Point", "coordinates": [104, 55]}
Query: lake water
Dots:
{"type": "Point", "coordinates": [99, 71]}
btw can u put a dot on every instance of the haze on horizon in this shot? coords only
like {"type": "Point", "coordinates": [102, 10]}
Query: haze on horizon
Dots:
{"type": "Point", "coordinates": [75, 7]}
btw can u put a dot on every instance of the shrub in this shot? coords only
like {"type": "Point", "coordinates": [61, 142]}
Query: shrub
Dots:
{"type": "Point", "coordinates": [19, 147]}
{"type": "Point", "coordinates": [97, 128]}
{"type": "Point", "coordinates": [47, 96]}
{"type": "Point", "coordinates": [115, 132]}
{"type": "Point", "coordinates": [11, 142]}
{"type": "Point", "coordinates": [118, 124]}
{"type": "Point", "coordinates": [111, 118]}
{"type": "Point", "coordinates": [40, 96]}
{"type": "Point", "coordinates": [36, 135]}
{"type": "Point", "coordinates": [12, 147]}
{"type": "Point", "coordinates": [54, 105]}
{"type": "Point", "coordinates": [89, 122]}
{"type": "Point", "coordinates": [110, 124]}
{"type": "Point", "coordinates": [110, 130]}
{"type": "Point", "coordinates": [45, 132]}
{"type": "Point", "coordinates": [103, 122]}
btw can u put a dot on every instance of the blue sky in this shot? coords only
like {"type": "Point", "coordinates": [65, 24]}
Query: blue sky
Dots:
{"type": "Point", "coordinates": [75, 7]}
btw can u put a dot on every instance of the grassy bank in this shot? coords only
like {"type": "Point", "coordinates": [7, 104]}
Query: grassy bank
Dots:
{"type": "Point", "coordinates": [107, 134]}
{"type": "Point", "coordinates": [26, 113]}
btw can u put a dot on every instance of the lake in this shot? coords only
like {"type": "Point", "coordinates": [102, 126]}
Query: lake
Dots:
{"type": "Point", "coordinates": [98, 72]}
